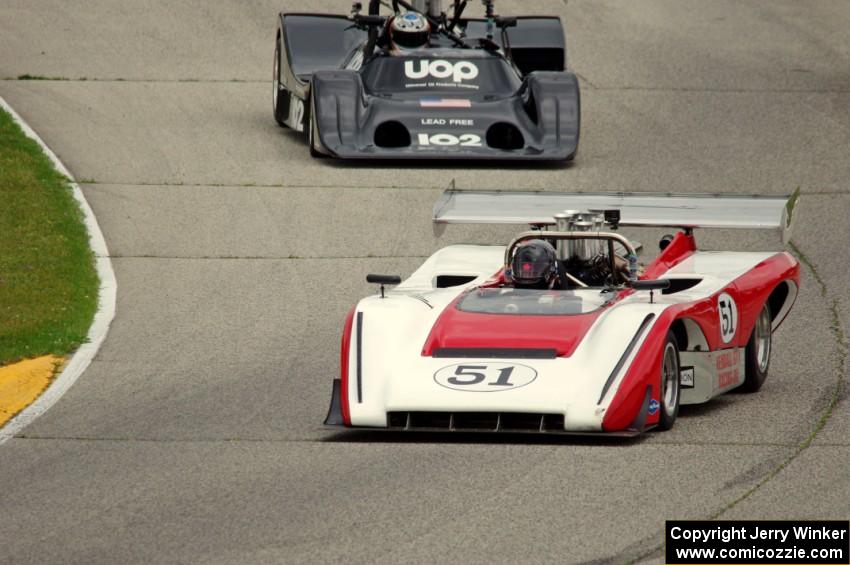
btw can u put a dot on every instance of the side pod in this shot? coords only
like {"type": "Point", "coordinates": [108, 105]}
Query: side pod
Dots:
{"type": "Point", "coordinates": [557, 108]}
{"type": "Point", "coordinates": [338, 104]}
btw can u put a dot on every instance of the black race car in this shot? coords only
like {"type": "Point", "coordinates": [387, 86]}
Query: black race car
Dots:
{"type": "Point", "coordinates": [422, 84]}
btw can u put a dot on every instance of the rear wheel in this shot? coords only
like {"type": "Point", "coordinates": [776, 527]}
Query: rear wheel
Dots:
{"type": "Point", "coordinates": [280, 96]}
{"type": "Point", "coordinates": [669, 383]}
{"type": "Point", "coordinates": [757, 354]}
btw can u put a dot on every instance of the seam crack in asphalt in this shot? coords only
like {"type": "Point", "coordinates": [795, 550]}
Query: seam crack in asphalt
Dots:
{"type": "Point", "coordinates": [720, 90]}
{"type": "Point", "coordinates": [644, 88]}
{"type": "Point", "coordinates": [165, 184]}
{"type": "Point", "coordinates": [91, 182]}
{"type": "Point", "coordinates": [584, 78]}
{"type": "Point", "coordinates": [24, 437]}
{"type": "Point", "coordinates": [260, 258]}
{"type": "Point", "coordinates": [35, 78]}
{"type": "Point", "coordinates": [839, 335]}
{"type": "Point", "coordinates": [128, 439]}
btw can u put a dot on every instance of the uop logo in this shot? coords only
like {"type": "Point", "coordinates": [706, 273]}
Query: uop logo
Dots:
{"type": "Point", "coordinates": [441, 69]}
{"type": "Point", "coordinates": [485, 377]}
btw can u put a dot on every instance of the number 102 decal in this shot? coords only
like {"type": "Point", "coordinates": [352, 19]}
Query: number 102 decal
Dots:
{"type": "Point", "coordinates": [449, 140]}
{"type": "Point", "coordinates": [485, 377]}
{"type": "Point", "coordinates": [727, 310]}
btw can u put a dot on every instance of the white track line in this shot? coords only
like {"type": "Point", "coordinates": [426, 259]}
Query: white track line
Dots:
{"type": "Point", "coordinates": [105, 301]}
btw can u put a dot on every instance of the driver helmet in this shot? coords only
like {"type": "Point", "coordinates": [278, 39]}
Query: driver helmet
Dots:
{"type": "Point", "coordinates": [409, 31]}
{"type": "Point", "coordinates": [534, 264]}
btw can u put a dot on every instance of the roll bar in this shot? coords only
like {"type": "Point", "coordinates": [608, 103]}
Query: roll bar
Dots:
{"type": "Point", "coordinates": [564, 235]}
{"type": "Point", "coordinates": [436, 24]}
{"type": "Point", "coordinates": [556, 235]}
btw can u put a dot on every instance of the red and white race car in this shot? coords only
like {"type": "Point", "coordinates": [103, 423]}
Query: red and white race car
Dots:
{"type": "Point", "coordinates": [590, 342]}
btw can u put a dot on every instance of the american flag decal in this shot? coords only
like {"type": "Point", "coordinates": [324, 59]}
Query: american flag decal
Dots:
{"type": "Point", "coordinates": [444, 103]}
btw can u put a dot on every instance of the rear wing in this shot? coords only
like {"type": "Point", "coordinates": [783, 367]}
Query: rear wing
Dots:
{"type": "Point", "coordinates": [686, 211]}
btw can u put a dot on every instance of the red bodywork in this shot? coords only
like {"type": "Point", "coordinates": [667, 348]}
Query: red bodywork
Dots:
{"type": "Point", "coordinates": [750, 293]}
{"type": "Point", "coordinates": [343, 366]}
{"type": "Point", "coordinates": [458, 329]}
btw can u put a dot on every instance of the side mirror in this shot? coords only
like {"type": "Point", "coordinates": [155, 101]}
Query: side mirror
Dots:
{"type": "Point", "coordinates": [383, 280]}
{"type": "Point", "coordinates": [652, 286]}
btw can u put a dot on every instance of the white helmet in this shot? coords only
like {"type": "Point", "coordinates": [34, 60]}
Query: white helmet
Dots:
{"type": "Point", "coordinates": [409, 31]}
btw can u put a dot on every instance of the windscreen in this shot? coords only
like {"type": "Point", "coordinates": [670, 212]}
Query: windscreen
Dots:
{"type": "Point", "coordinates": [418, 75]}
{"type": "Point", "coordinates": [533, 302]}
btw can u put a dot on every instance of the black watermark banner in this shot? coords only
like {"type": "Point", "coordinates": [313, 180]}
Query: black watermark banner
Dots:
{"type": "Point", "coordinates": [762, 542]}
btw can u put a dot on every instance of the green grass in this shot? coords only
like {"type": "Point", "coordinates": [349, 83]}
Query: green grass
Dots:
{"type": "Point", "coordinates": [48, 282]}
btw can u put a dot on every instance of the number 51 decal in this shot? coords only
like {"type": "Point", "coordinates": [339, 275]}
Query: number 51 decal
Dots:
{"type": "Point", "coordinates": [485, 377]}
{"type": "Point", "coordinates": [727, 310]}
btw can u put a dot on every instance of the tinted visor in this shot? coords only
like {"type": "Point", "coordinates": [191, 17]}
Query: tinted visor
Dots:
{"type": "Point", "coordinates": [411, 39]}
{"type": "Point", "coordinates": [531, 264]}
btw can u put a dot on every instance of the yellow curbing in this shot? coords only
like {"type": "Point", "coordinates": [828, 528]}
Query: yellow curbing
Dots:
{"type": "Point", "coordinates": [22, 383]}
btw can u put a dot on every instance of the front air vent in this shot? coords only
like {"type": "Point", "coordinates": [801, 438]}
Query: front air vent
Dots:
{"type": "Point", "coordinates": [495, 353]}
{"type": "Point", "coordinates": [430, 420]}
{"type": "Point", "coordinates": [678, 285]}
{"type": "Point", "coordinates": [505, 136]}
{"type": "Point", "coordinates": [392, 135]}
{"type": "Point", "coordinates": [476, 421]}
{"type": "Point", "coordinates": [508, 422]}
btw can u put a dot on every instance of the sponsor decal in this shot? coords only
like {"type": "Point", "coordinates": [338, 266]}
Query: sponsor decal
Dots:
{"type": "Point", "coordinates": [356, 62]}
{"type": "Point", "coordinates": [653, 407]}
{"type": "Point", "coordinates": [444, 121]}
{"type": "Point", "coordinates": [485, 377]}
{"type": "Point", "coordinates": [458, 71]}
{"type": "Point", "coordinates": [728, 359]}
{"type": "Point", "coordinates": [686, 377]}
{"type": "Point", "coordinates": [728, 368]}
{"type": "Point", "coordinates": [727, 310]}
{"type": "Point", "coordinates": [449, 140]}
{"type": "Point", "coordinates": [296, 112]}
{"type": "Point", "coordinates": [444, 103]}
{"type": "Point", "coordinates": [728, 378]}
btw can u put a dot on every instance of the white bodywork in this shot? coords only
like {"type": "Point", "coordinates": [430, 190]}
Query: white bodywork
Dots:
{"type": "Point", "coordinates": [395, 376]}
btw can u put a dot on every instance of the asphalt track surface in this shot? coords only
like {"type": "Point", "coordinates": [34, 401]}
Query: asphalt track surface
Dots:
{"type": "Point", "coordinates": [195, 435]}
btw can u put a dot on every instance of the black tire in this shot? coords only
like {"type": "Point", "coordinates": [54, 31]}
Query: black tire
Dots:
{"type": "Point", "coordinates": [312, 132]}
{"type": "Point", "coordinates": [670, 389]}
{"type": "Point", "coordinates": [279, 105]}
{"type": "Point", "coordinates": [757, 353]}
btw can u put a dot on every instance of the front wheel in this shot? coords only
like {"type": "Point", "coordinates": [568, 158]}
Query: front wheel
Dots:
{"type": "Point", "coordinates": [669, 383]}
{"type": "Point", "coordinates": [757, 354]}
